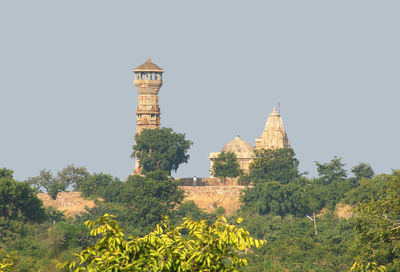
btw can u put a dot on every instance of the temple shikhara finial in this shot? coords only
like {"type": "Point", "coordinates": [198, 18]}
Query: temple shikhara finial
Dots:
{"type": "Point", "coordinates": [274, 134]}
{"type": "Point", "coordinates": [148, 81]}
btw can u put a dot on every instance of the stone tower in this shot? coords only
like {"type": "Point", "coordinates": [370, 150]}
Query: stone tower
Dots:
{"type": "Point", "coordinates": [148, 80]}
{"type": "Point", "coordinates": [274, 134]}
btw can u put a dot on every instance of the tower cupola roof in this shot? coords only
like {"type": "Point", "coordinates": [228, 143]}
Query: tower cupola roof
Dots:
{"type": "Point", "coordinates": [148, 66]}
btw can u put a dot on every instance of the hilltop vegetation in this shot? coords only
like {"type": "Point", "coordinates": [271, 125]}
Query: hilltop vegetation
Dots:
{"type": "Point", "coordinates": [278, 207]}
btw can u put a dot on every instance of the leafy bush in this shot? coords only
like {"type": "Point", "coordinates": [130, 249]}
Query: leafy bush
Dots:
{"type": "Point", "coordinates": [215, 247]}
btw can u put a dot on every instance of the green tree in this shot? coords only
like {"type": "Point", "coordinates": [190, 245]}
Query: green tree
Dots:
{"type": "Point", "coordinates": [47, 181]}
{"type": "Point", "coordinates": [72, 176]}
{"type": "Point", "coordinates": [18, 201]}
{"type": "Point", "coordinates": [69, 176]}
{"type": "Point", "coordinates": [274, 164]}
{"type": "Point", "coordinates": [293, 246]}
{"type": "Point", "coordinates": [139, 203]}
{"type": "Point", "coordinates": [161, 149]}
{"type": "Point", "coordinates": [369, 189]}
{"type": "Point", "coordinates": [362, 170]}
{"type": "Point", "coordinates": [377, 225]}
{"type": "Point", "coordinates": [192, 246]}
{"type": "Point", "coordinates": [152, 196]}
{"type": "Point", "coordinates": [226, 165]}
{"type": "Point", "coordinates": [328, 195]}
{"type": "Point", "coordinates": [279, 199]}
{"type": "Point", "coordinates": [332, 171]}
{"type": "Point", "coordinates": [6, 173]}
{"type": "Point", "coordinates": [100, 185]}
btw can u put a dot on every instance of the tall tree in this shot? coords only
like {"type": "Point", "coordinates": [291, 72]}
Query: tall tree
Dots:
{"type": "Point", "coordinates": [226, 165]}
{"type": "Point", "coordinates": [161, 149]}
{"type": "Point", "coordinates": [152, 196]}
{"type": "Point", "coordinates": [332, 171]}
{"type": "Point", "coordinates": [273, 197]}
{"type": "Point", "coordinates": [100, 185]}
{"type": "Point", "coordinates": [362, 170]}
{"type": "Point", "coordinates": [18, 201]}
{"type": "Point", "coordinates": [47, 181]}
{"type": "Point", "coordinates": [68, 178]}
{"type": "Point", "coordinates": [72, 176]}
{"type": "Point", "coordinates": [274, 164]}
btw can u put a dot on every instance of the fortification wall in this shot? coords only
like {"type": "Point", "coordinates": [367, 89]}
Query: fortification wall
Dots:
{"type": "Point", "coordinates": [210, 197]}
{"type": "Point", "coordinates": [205, 197]}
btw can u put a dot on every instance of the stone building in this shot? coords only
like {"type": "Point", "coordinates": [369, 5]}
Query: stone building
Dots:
{"type": "Point", "coordinates": [148, 81]}
{"type": "Point", "coordinates": [242, 149]}
{"type": "Point", "coordinates": [274, 134]}
{"type": "Point", "coordinates": [273, 137]}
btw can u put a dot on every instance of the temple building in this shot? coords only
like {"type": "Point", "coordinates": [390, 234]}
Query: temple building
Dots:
{"type": "Point", "coordinates": [148, 81]}
{"type": "Point", "coordinates": [274, 134]}
{"type": "Point", "coordinates": [242, 149]}
{"type": "Point", "coordinates": [273, 137]}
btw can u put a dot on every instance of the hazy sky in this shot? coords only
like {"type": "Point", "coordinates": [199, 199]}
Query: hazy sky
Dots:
{"type": "Point", "coordinates": [67, 93]}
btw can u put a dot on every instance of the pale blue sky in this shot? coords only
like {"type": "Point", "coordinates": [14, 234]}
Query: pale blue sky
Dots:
{"type": "Point", "coordinates": [67, 94]}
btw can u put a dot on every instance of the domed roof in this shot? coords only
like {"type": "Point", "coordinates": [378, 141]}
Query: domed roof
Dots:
{"type": "Point", "coordinates": [238, 145]}
{"type": "Point", "coordinates": [148, 66]}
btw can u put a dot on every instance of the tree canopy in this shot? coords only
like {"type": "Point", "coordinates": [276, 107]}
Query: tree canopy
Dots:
{"type": "Point", "coordinates": [362, 170]}
{"type": "Point", "coordinates": [226, 165]}
{"type": "Point", "coordinates": [161, 149]}
{"type": "Point", "coordinates": [276, 198]}
{"type": "Point", "coordinates": [377, 225]}
{"type": "Point", "coordinates": [274, 164]}
{"type": "Point", "coordinates": [139, 203]}
{"type": "Point", "coordinates": [18, 201]}
{"type": "Point", "coordinates": [332, 171]}
{"type": "Point", "coordinates": [191, 246]}
{"type": "Point", "coordinates": [6, 173]}
{"type": "Point", "coordinates": [68, 177]}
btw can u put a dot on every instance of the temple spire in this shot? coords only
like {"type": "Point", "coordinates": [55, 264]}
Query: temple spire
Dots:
{"type": "Point", "coordinates": [274, 135]}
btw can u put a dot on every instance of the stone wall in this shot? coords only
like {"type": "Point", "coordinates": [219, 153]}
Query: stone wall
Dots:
{"type": "Point", "coordinates": [71, 203]}
{"type": "Point", "coordinates": [210, 197]}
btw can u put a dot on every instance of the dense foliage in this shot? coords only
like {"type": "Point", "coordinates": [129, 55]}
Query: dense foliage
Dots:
{"type": "Point", "coordinates": [138, 203]}
{"type": "Point", "coordinates": [274, 165]}
{"type": "Point", "coordinates": [191, 246]}
{"type": "Point", "coordinates": [277, 206]}
{"type": "Point", "coordinates": [332, 171]}
{"type": "Point", "coordinates": [377, 226]}
{"type": "Point", "coordinates": [226, 165]}
{"type": "Point", "coordinates": [161, 149]}
{"type": "Point", "coordinates": [68, 178]}
{"type": "Point", "coordinates": [273, 197]}
{"type": "Point", "coordinates": [293, 246]}
{"type": "Point", "coordinates": [18, 201]}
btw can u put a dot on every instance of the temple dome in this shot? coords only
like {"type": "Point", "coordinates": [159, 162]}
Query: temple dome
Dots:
{"type": "Point", "coordinates": [238, 146]}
